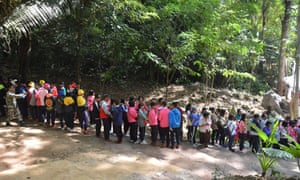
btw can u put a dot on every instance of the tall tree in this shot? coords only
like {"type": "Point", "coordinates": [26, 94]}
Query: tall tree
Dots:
{"type": "Point", "coordinates": [296, 97]}
{"type": "Point", "coordinates": [283, 46]}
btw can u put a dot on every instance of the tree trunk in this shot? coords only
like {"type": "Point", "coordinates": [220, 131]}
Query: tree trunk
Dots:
{"type": "Point", "coordinates": [23, 52]}
{"type": "Point", "coordinates": [296, 98]}
{"type": "Point", "coordinates": [265, 7]}
{"type": "Point", "coordinates": [282, 51]}
{"type": "Point", "coordinates": [78, 55]}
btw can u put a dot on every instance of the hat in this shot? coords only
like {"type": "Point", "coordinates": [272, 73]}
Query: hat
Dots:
{"type": "Point", "coordinates": [31, 84]}
{"type": "Point", "coordinates": [80, 92]}
{"type": "Point", "coordinates": [73, 85]}
{"type": "Point", "coordinates": [42, 82]}
{"type": "Point", "coordinates": [47, 86]}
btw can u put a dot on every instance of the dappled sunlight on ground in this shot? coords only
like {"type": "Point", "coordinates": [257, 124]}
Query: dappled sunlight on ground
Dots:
{"type": "Point", "coordinates": [42, 153]}
{"type": "Point", "coordinates": [18, 149]}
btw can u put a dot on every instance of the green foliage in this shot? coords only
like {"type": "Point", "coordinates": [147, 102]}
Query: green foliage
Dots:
{"type": "Point", "coordinates": [240, 75]}
{"type": "Point", "coordinates": [293, 148]}
{"type": "Point", "coordinates": [212, 41]}
{"type": "Point", "coordinates": [266, 163]}
{"type": "Point", "coordinates": [269, 156]}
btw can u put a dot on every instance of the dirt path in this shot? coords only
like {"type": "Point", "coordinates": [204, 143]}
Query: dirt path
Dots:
{"type": "Point", "coordinates": [35, 152]}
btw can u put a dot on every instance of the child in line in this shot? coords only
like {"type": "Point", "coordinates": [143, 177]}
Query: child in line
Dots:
{"type": "Point", "coordinates": [195, 118]}
{"type": "Point", "coordinates": [90, 103]}
{"type": "Point", "coordinates": [188, 111]}
{"type": "Point", "coordinates": [142, 121]}
{"type": "Point", "coordinates": [117, 113]}
{"type": "Point", "coordinates": [96, 114]}
{"type": "Point", "coordinates": [164, 125]}
{"type": "Point", "coordinates": [132, 119]}
{"type": "Point", "coordinates": [174, 124]}
{"type": "Point", "coordinates": [69, 112]}
{"type": "Point", "coordinates": [152, 116]}
{"type": "Point", "coordinates": [82, 111]}
{"type": "Point", "coordinates": [60, 107]}
{"type": "Point", "coordinates": [125, 118]}
{"type": "Point", "coordinates": [50, 109]}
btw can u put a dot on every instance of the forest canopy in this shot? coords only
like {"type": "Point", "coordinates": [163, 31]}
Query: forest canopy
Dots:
{"type": "Point", "coordinates": [222, 43]}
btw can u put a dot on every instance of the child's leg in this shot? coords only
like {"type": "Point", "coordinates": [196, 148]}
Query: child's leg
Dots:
{"type": "Point", "coordinates": [177, 136]}
{"type": "Point", "coordinates": [119, 133]}
{"type": "Point", "coordinates": [172, 133]}
{"type": "Point", "coordinates": [142, 133]}
{"type": "Point", "coordinates": [53, 117]}
{"type": "Point", "coordinates": [98, 126]}
{"type": "Point", "coordinates": [48, 117]}
{"type": "Point", "coordinates": [194, 130]}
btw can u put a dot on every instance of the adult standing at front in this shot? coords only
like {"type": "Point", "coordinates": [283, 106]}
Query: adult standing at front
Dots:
{"type": "Point", "coordinates": [22, 102]}
{"type": "Point", "coordinates": [105, 115]}
{"type": "Point", "coordinates": [11, 103]}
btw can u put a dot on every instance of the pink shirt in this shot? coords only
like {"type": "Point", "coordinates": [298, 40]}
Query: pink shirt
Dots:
{"type": "Point", "coordinates": [242, 126]}
{"type": "Point", "coordinates": [132, 114]}
{"type": "Point", "coordinates": [164, 117]}
{"type": "Point", "coordinates": [54, 92]}
{"type": "Point", "coordinates": [152, 117]}
{"type": "Point", "coordinates": [292, 132]}
{"type": "Point", "coordinates": [40, 96]}
{"type": "Point", "coordinates": [90, 102]}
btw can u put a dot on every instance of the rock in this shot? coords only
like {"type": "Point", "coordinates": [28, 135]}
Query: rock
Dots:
{"type": "Point", "coordinates": [245, 107]}
{"type": "Point", "coordinates": [236, 95]}
{"type": "Point", "coordinates": [273, 100]}
{"type": "Point", "coordinates": [247, 97]}
{"type": "Point", "coordinates": [285, 106]}
{"type": "Point", "coordinates": [225, 92]}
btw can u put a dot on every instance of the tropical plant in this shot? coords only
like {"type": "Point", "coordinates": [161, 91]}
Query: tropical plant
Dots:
{"type": "Point", "coordinates": [269, 156]}
{"type": "Point", "coordinates": [293, 148]}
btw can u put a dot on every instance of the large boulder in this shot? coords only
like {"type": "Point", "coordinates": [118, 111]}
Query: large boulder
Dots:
{"type": "Point", "coordinates": [273, 100]}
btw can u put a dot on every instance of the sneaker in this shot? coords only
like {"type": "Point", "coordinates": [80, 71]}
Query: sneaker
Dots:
{"type": "Point", "coordinates": [131, 141]}
{"type": "Point", "coordinates": [118, 142]}
{"type": "Point", "coordinates": [144, 142]}
{"type": "Point", "coordinates": [127, 134]}
{"type": "Point", "coordinates": [195, 146]}
{"type": "Point", "coordinates": [93, 125]}
{"type": "Point", "coordinates": [73, 130]}
{"type": "Point", "coordinates": [137, 142]}
{"type": "Point", "coordinates": [8, 123]}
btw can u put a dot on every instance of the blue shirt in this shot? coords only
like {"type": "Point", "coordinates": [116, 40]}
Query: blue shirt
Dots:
{"type": "Point", "coordinates": [195, 119]}
{"type": "Point", "coordinates": [117, 112]}
{"type": "Point", "coordinates": [174, 118]}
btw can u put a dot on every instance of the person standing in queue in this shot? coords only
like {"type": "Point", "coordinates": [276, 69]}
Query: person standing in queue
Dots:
{"type": "Point", "coordinates": [106, 116]}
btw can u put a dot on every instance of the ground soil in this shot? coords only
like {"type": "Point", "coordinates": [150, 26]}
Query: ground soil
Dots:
{"type": "Point", "coordinates": [36, 152]}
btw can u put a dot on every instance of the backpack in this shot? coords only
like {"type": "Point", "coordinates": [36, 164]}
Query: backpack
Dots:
{"type": "Point", "coordinates": [49, 103]}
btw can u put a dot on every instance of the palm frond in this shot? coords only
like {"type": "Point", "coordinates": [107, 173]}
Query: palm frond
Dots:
{"type": "Point", "coordinates": [28, 16]}
{"type": "Point", "coordinates": [277, 153]}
